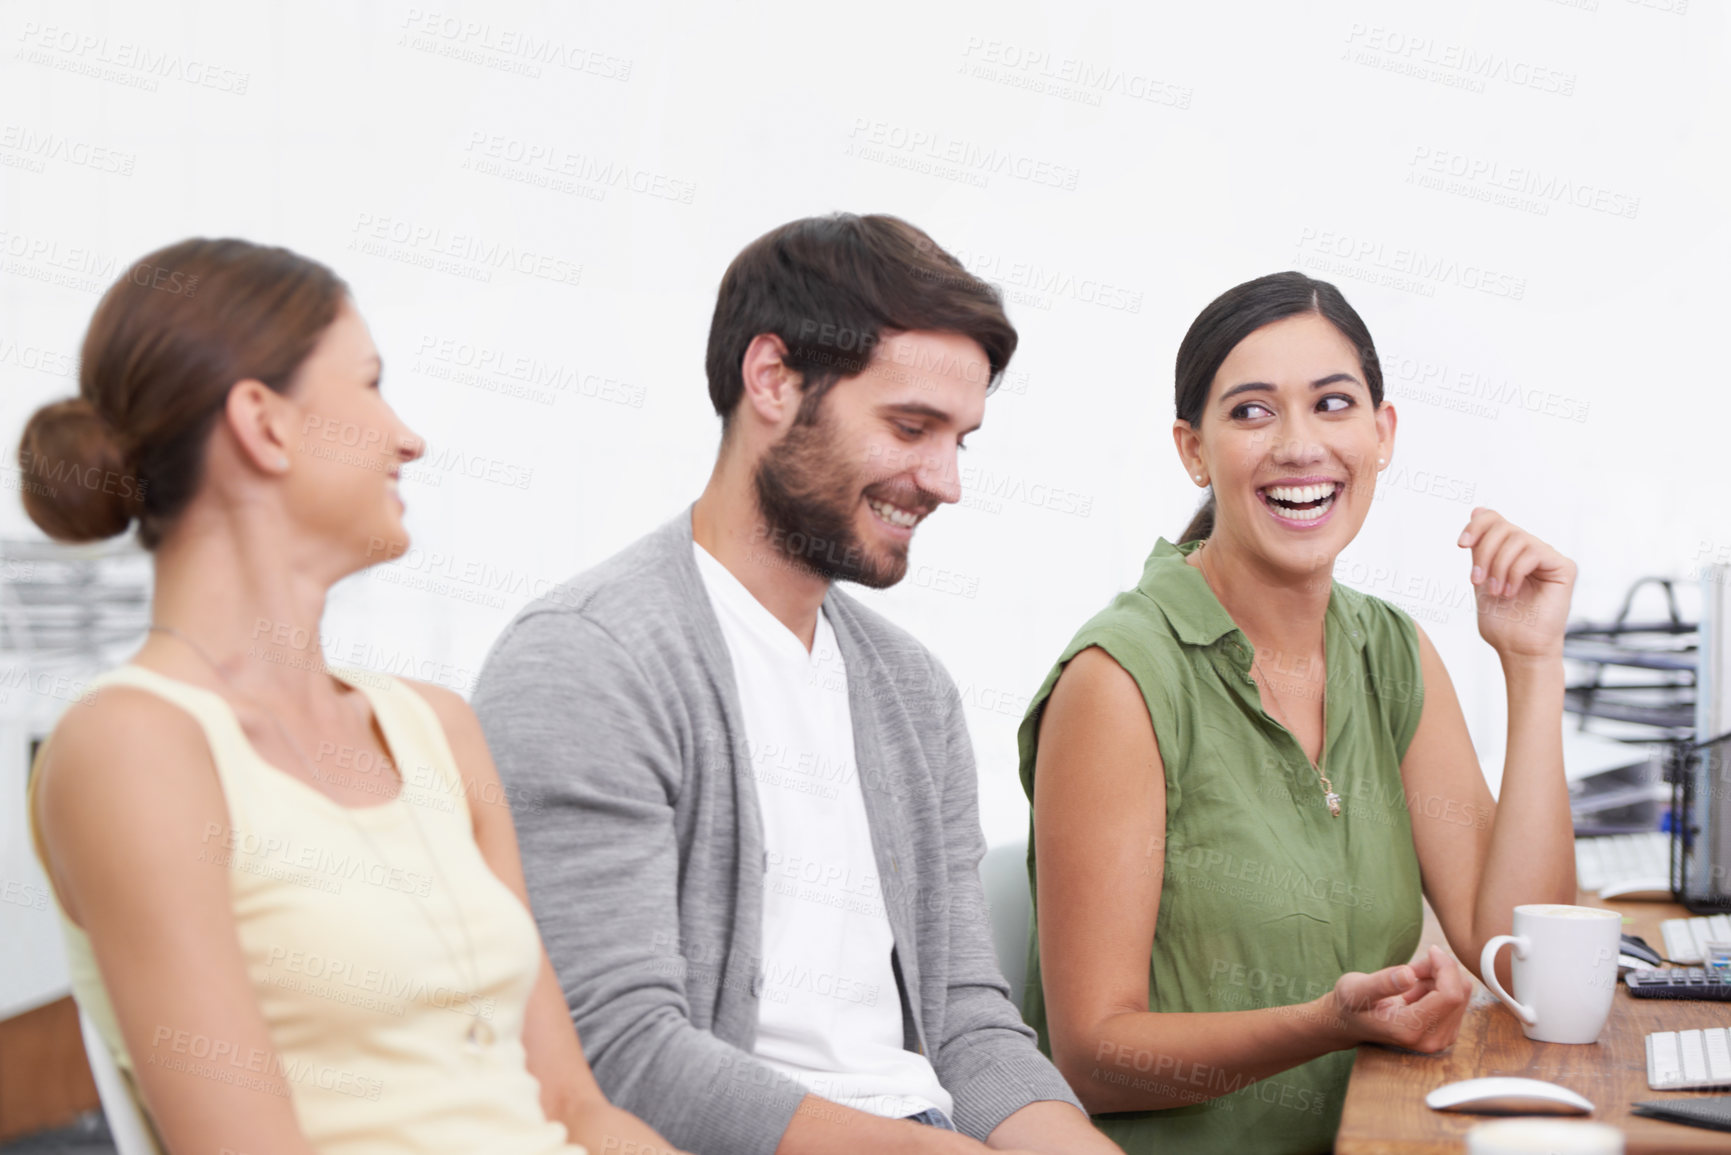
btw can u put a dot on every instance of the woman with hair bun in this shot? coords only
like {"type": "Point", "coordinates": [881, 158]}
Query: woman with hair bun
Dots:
{"type": "Point", "coordinates": [1244, 774]}
{"type": "Point", "coordinates": [291, 894]}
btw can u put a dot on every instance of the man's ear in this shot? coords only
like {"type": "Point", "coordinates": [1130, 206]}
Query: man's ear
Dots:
{"type": "Point", "coordinates": [260, 419]}
{"type": "Point", "coordinates": [772, 390]}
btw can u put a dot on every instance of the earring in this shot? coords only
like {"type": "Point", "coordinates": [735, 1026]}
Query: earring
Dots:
{"type": "Point", "coordinates": [282, 463]}
{"type": "Point", "coordinates": [1380, 463]}
{"type": "Point", "coordinates": [1197, 476]}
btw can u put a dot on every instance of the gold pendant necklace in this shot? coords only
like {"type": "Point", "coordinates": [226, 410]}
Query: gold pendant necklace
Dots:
{"type": "Point", "coordinates": [1329, 796]}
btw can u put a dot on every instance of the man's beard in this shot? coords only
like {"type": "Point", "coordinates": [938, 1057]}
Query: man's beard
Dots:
{"type": "Point", "coordinates": [808, 498]}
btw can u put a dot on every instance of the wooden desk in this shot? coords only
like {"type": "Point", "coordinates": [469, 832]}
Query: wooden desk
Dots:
{"type": "Point", "coordinates": [1385, 1111]}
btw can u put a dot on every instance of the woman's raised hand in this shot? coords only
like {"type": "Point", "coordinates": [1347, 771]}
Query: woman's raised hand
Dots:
{"type": "Point", "coordinates": [1521, 584]}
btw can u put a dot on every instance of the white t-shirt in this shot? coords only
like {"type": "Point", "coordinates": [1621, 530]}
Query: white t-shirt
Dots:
{"type": "Point", "coordinates": [830, 1016]}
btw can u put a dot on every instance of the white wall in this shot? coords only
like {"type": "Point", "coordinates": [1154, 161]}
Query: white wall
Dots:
{"type": "Point", "coordinates": [1551, 350]}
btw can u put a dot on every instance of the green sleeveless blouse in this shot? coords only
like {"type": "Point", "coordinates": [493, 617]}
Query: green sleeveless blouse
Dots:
{"type": "Point", "coordinates": [1267, 898]}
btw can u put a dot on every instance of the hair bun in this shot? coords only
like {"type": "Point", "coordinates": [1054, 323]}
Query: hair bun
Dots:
{"type": "Point", "coordinates": [73, 477]}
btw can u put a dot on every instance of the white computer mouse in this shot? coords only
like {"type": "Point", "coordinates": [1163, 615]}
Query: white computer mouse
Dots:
{"type": "Point", "coordinates": [1654, 889]}
{"type": "Point", "coordinates": [1507, 1096]}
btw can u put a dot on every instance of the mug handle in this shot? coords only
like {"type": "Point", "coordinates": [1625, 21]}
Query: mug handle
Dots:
{"type": "Point", "coordinates": [1488, 971]}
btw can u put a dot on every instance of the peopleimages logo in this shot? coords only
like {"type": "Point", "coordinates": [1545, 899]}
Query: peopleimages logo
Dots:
{"type": "Point", "coordinates": [1519, 186]}
{"type": "Point", "coordinates": [1400, 267]}
{"type": "Point", "coordinates": [1066, 77]}
{"type": "Point", "coordinates": [464, 254]}
{"type": "Point", "coordinates": [73, 258]}
{"type": "Point", "coordinates": [1454, 65]}
{"type": "Point", "coordinates": [436, 464]}
{"type": "Point", "coordinates": [880, 140]}
{"type": "Point", "coordinates": [500, 155]}
{"type": "Point", "coordinates": [987, 491]}
{"type": "Point", "coordinates": [1207, 866]}
{"type": "Point", "coordinates": [37, 358]}
{"type": "Point", "coordinates": [1043, 281]}
{"type": "Point", "coordinates": [483, 42]}
{"type": "Point", "coordinates": [1470, 390]}
{"type": "Point", "coordinates": [40, 147]}
{"type": "Point", "coordinates": [136, 65]}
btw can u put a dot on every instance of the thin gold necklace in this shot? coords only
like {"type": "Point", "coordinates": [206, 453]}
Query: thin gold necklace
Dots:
{"type": "Point", "coordinates": [480, 1033]}
{"type": "Point", "coordinates": [1328, 792]}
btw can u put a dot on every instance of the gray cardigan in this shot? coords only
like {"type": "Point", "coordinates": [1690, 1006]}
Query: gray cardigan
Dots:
{"type": "Point", "coordinates": [610, 707]}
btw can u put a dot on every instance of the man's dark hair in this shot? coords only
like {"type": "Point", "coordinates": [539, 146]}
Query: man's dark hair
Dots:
{"type": "Point", "coordinates": [830, 287]}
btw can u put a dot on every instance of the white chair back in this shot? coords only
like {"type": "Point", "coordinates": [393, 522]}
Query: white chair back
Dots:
{"type": "Point", "coordinates": [1004, 874]}
{"type": "Point", "coordinates": [126, 1120]}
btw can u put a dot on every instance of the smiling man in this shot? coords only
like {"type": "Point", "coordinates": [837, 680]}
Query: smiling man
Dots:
{"type": "Point", "coordinates": [747, 803]}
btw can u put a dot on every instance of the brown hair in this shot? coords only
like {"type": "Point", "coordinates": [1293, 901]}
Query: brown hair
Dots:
{"type": "Point", "coordinates": [165, 345]}
{"type": "Point", "coordinates": [830, 287]}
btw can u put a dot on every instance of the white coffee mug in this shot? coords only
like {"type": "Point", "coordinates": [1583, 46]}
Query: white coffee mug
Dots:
{"type": "Point", "coordinates": [1565, 970]}
{"type": "Point", "coordinates": [1544, 1137]}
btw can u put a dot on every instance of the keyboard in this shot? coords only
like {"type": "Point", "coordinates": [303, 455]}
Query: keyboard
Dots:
{"type": "Point", "coordinates": [1686, 939]}
{"type": "Point", "coordinates": [1678, 983]}
{"type": "Point", "coordinates": [1606, 859]}
{"type": "Point", "coordinates": [1689, 1060]}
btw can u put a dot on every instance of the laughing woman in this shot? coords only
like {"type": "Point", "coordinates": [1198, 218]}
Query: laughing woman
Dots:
{"type": "Point", "coordinates": [1244, 775]}
{"type": "Point", "coordinates": [291, 897]}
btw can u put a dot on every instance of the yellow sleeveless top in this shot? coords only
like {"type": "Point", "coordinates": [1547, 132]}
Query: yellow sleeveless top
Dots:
{"type": "Point", "coordinates": [375, 937]}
